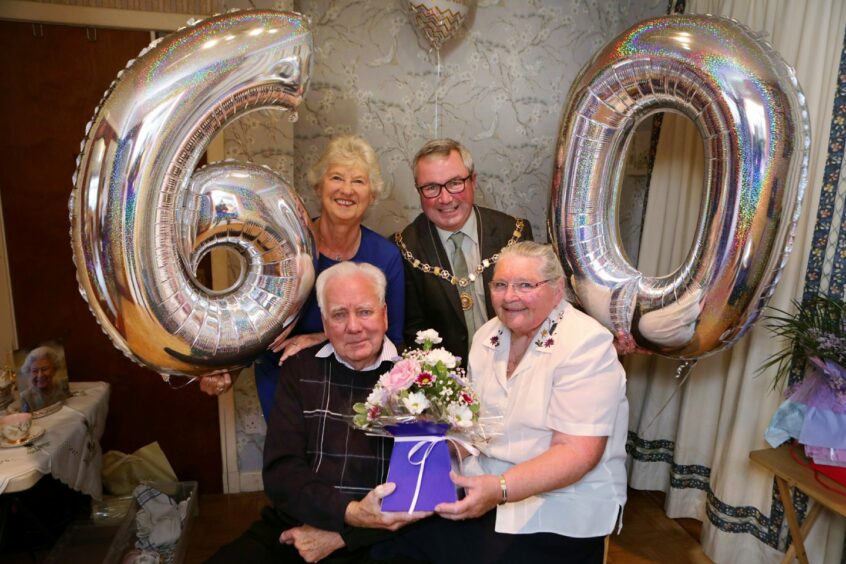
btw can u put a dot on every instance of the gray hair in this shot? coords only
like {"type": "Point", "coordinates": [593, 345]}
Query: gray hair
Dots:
{"type": "Point", "coordinates": [550, 265]}
{"type": "Point", "coordinates": [345, 269]}
{"type": "Point", "coordinates": [443, 148]}
{"type": "Point", "coordinates": [349, 150]}
{"type": "Point", "coordinates": [40, 353]}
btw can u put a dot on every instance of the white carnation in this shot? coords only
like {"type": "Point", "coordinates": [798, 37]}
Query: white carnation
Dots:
{"type": "Point", "coordinates": [443, 355]}
{"type": "Point", "coordinates": [428, 335]}
{"type": "Point", "coordinates": [416, 403]}
{"type": "Point", "coordinates": [378, 396]}
{"type": "Point", "coordinates": [460, 415]}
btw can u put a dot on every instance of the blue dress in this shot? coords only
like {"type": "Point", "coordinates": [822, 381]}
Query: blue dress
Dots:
{"type": "Point", "coordinates": [373, 249]}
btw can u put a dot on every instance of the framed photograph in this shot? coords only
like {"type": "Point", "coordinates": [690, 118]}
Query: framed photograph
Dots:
{"type": "Point", "coordinates": [42, 378]}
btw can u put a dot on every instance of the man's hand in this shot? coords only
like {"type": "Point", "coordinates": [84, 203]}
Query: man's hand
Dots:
{"type": "Point", "coordinates": [367, 513]}
{"type": "Point", "coordinates": [295, 344]}
{"type": "Point", "coordinates": [313, 544]}
{"type": "Point", "coordinates": [482, 495]}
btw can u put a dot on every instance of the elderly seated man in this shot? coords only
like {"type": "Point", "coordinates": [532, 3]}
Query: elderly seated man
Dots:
{"type": "Point", "coordinates": [317, 468]}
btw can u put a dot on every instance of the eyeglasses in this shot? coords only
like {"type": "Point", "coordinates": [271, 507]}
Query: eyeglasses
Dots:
{"type": "Point", "coordinates": [521, 286]}
{"type": "Point", "coordinates": [453, 186]}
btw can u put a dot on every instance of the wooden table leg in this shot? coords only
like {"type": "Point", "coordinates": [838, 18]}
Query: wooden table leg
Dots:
{"type": "Point", "coordinates": [806, 528]}
{"type": "Point", "coordinates": [792, 522]}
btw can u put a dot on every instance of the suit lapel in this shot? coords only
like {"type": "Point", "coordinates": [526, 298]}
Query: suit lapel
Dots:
{"type": "Point", "coordinates": [489, 235]}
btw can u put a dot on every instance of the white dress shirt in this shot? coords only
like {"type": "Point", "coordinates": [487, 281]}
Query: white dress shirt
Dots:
{"type": "Point", "coordinates": [570, 381]}
{"type": "Point", "coordinates": [389, 352]}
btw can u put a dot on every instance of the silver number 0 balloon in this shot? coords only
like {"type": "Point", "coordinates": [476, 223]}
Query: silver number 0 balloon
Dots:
{"type": "Point", "coordinates": [141, 219]}
{"type": "Point", "coordinates": [750, 111]}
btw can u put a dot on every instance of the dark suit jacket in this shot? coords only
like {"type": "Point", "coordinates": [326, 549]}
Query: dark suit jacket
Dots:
{"type": "Point", "coordinates": [433, 303]}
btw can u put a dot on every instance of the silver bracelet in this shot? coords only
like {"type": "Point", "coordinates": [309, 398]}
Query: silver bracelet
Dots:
{"type": "Point", "coordinates": [504, 487]}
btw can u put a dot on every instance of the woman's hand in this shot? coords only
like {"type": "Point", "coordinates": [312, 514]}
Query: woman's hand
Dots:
{"type": "Point", "coordinates": [482, 493]}
{"type": "Point", "coordinates": [295, 344]}
{"type": "Point", "coordinates": [312, 543]}
{"type": "Point", "coordinates": [216, 384]}
{"type": "Point", "coordinates": [278, 343]}
{"type": "Point", "coordinates": [625, 344]}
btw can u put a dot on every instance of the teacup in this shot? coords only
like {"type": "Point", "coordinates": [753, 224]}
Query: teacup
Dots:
{"type": "Point", "coordinates": [15, 427]}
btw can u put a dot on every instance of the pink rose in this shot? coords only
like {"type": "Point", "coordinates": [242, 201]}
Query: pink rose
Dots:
{"type": "Point", "coordinates": [401, 376]}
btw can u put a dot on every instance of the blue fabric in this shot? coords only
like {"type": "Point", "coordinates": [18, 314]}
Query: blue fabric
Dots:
{"type": "Point", "coordinates": [786, 423]}
{"type": "Point", "coordinates": [374, 249]}
{"type": "Point", "coordinates": [824, 428]}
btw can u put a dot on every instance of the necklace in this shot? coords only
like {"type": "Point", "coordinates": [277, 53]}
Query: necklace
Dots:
{"type": "Point", "coordinates": [445, 274]}
{"type": "Point", "coordinates": [334, 254]}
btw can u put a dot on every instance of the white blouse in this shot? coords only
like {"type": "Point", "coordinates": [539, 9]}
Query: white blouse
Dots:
{"type": "Point", "coordinates": [569, 380]}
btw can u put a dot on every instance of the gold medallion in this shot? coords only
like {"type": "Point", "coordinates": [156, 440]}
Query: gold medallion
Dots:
{"type": "Point", "coordinates": [466, 301]}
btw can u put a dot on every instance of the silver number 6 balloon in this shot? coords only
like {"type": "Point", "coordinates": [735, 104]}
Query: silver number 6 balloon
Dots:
{"type": "Point", "coordinates": [750, 111]}
{"type": "Point", "coordinates": [141, 219]}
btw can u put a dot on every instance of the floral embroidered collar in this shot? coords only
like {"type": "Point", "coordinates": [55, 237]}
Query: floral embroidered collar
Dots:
{"type": "Point", "coordinates": [495, 340]}
{"type": "Point", "coordinates": [544, 339]}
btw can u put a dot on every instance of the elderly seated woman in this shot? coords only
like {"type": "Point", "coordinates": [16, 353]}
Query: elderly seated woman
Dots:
{"type": "Point", "coordinates": [553, 484]}
{"type": "Point", "coordinates": [39, 369]}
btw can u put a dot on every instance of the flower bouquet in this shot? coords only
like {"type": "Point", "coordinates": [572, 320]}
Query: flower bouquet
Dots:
{"type": "Point", "coordinates": [815, 408]}
{"type": "Point", "coordinates": [422, 398]}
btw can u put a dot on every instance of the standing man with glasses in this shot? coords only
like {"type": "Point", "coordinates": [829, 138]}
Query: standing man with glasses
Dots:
{"type": "Point", "coordinates": [451, 247]}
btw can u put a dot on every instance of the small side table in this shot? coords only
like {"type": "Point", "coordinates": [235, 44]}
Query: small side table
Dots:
{"type": "Point", "coordinates": [790, 473]}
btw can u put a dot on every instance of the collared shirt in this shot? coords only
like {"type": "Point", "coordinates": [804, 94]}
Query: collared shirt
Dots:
{"type": "Point", "coordinates": [389, 353]}
{"type": "Point", "coordinates": [472, 254]}
{"type": "Point", "coordinates": [315, 462]}
{"type": "Point", "coordinates": [569, 380]}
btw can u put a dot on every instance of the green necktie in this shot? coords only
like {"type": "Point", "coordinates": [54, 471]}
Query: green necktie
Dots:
{"type": "Point", "coordinates": [459, 266]}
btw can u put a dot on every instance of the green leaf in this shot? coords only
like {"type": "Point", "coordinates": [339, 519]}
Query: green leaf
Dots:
{"type": "Point", "coordinates": [817, 329]}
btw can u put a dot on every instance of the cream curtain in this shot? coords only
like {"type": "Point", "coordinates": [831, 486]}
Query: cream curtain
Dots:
{"type": "Point", "coordinates": [693, 440]}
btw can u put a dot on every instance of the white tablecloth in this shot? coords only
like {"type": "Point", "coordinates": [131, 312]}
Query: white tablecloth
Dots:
{"type": "Point", "coordinates": [70, 447]}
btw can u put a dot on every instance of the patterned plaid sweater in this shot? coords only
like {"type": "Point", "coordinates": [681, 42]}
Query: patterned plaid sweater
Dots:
{"type": "Point", "coordinates": [315, 462]}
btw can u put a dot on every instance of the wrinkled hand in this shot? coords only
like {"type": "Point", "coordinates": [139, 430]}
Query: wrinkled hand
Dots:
{"type": "Point", "coordinates": [367, 512]}
{"type": "Point", "coordinates": [277, 343]}
{"type": "Point", "coordinates": [625, 343]}
{"type": "Point", "coordinates": [482, 493]}
{"type": "Point", "coordinates": [216, 384]}
{"type": "Point", "coordinates": [312, 543]}
{"type": "Point", "coordinates": [295, 344]}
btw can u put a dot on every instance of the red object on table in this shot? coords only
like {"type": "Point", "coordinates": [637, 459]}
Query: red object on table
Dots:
{"type": "Point", "coordinates": [836, 473]}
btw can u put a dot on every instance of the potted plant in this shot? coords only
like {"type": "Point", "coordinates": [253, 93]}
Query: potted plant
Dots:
{"type": "Point", "coordinates": [815, 408]}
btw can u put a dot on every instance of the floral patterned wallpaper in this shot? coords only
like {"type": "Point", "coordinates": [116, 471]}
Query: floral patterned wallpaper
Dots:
{"type": "Point", "coordinates": [500, 89]}
{"type": "Point", "coordinates": [504, 78]}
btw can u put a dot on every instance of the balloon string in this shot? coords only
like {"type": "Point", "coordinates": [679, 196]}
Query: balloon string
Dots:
{"type": "Point", "coordinates": [683, 370]}
{"type": "Point", "coordinates": [437, 87]}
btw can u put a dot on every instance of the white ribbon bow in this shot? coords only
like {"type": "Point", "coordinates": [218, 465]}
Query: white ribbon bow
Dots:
{"type": "Point", "coordinates": [428, 443]}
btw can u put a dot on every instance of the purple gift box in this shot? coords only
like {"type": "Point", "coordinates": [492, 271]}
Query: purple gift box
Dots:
{"type": "Point", "coordinates": [420, 466]}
